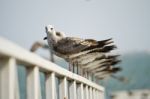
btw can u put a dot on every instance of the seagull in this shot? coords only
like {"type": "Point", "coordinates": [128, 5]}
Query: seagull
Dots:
{"type": "Point", "coordinates": [99, 65]}
{"type": "Point", "coordinates": [88, 54]}
{"type": "Point", "coordinates": [69, 48]}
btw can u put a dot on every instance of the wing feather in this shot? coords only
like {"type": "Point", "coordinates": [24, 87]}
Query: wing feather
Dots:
{"type": "Point", "coordinates": [70, 45]}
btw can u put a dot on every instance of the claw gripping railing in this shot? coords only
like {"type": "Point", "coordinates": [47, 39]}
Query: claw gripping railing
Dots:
{"type": "Point", "coordinates": [11, 55]}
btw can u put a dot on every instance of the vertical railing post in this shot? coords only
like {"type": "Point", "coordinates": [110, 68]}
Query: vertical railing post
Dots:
{"type": "Point", "coordinates": [80, 91]}
{"type": "Point", "coordinates": [73, 91]}
{"type": "Point", "coordinates": [86, 92]}
{"type": "Point", "coordinates": [94, 93]}
{"type": "Point", "coordinates": [98, 95]}
{"type": "Point", "coordinates": [63, 88]}
{"type": "Point", "coordinates": [90, 93]}
{"type": "Point", "coordinates": [9, 87]}
{"type": "Point", "coordinates": [50, 83]}
{"type": "Point", "coordinates": [101, 94]}
{"type": "Point", "coordinates": [33, 83]}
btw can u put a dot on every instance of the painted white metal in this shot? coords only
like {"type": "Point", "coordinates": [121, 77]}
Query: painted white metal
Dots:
{"type": "Point", "coordinates": [50, 83]}
{"type": "Point", "coordinates": [33, 83]}
{"type": "Point", "coordinates": [34, 64]}
{"type": "Point", "coordinates": [90, 93]}
{"type": "Point", "coordinates": [94, 94]}
{"type": "Point", "coordinates": [63, 89]}
{"type": "Point", "coordinates": [30, 58]}
{"type": "Point", "coordinates": [97, 94]}
{"type": "Point", "coordinates": [86, 92]}
{"type": "Point", "coordinates": [80, 91]}
{"type": "Point", "coordinates": [101, 95]}
{"type": "Point", "coordinates": [8, 79]}
{"type": "Point", "coordinates": [73, 90]}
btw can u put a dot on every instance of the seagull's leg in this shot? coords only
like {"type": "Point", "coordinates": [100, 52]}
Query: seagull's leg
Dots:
{"type": "Point", "coordinates": [51, 55]}
{"type": "Point", "coordinates": [73, 67]}
{"type": "Point", "coordinates": [77, 68]}
{"type": "Point", "coordinates": [70, 69]}
{"type": "Point", "coordinates": [85, 73]}
{"type": "Point", "coordinates": [93, 77]}
{"type": "Point", "coordinates": [78, 72]}
{"type": "Point", "coordinates": [81, 71]}
{"type": "Point", "coordinates": [88, 75]}
{"type": "Point", "coordinates": [97, 80]}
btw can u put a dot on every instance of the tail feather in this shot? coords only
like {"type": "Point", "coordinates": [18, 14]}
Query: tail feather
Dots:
{"type": "Point", "coordinates": [109, 48]}
{"type": "Point", "coordinates": [112, 56]}
{"type": "Point", "coordinates": [100, 44]}
{"type": "Point", "coordinates": [116, 69]}
{"type": "Point", "coordinates": [104, 41]}
{"type": "Point", "coordinates": [115, 62]}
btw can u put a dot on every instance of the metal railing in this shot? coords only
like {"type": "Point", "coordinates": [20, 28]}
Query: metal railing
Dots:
{"type": "Point", "coordinates": [71, 86]}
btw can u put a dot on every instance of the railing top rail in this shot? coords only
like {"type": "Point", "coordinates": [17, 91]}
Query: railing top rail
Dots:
{"type": "Point", "coordinates": [7, 48]}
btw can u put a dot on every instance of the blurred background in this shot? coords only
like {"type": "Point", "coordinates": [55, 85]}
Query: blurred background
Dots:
{"type": "Point", "coordinates": [126, 21]}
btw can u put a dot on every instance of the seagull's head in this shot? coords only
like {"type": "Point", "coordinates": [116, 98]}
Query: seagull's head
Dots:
{"type": "Point", "coordinates": [49, 29]}
{"type": "Point", "coordinates": [53, 35]}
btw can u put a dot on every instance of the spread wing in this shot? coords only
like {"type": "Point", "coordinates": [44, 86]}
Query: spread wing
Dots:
{"type": "Point", "coordinates": [71, 45]}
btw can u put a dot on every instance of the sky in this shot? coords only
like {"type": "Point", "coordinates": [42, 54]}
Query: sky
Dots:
{"type": "Point", "coordinates": [126, 21]}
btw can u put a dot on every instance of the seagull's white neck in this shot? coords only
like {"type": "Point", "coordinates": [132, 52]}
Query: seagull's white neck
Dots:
{"type": "Point", "coordinates": [51, 38]}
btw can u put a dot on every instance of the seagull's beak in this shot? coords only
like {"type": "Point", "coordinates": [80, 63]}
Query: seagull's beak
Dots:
{"type": "Point", "coordinates": [44, 38]}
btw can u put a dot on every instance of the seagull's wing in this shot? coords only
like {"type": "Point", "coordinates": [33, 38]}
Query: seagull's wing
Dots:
{"type": "Point", "coordinates": [36, 45]}
{"type": "Point", "coordinates": [70, 45]}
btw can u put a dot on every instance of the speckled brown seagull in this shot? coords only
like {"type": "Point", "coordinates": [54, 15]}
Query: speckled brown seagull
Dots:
{"type": "Point", "coordinates": [71, 48]}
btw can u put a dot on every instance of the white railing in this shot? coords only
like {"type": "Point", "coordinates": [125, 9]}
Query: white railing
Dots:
{"type": "Point", "coordinates": [11, 55]}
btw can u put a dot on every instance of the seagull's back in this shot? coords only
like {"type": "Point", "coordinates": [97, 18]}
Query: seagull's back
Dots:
{"type": "Point", "coordinates": [72, 45]}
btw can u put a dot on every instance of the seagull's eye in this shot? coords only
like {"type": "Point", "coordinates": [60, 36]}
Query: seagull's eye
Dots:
{"type": "Point", "coordinates": [58, 34]}
{"type": "Point", "coordinates": [51, 28]}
